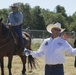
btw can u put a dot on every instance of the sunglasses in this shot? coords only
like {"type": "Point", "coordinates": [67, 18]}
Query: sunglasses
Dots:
{"type": "Point", "coordinates": [13, 7]}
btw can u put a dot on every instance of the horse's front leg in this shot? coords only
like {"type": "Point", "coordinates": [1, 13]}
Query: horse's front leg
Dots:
{"type": "Point", "coordinates": [23, 59]}
{"type": "Point", "coordinates": [75, 62]}
{"type": "Point", "coordinates": [10, 64]}
{"type": "Point", "coordinates": [2, 66]}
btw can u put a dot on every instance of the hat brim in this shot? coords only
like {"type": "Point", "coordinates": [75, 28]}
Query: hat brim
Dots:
{"type": "Point", "coordinates": [14, 6]}
{"type": "Point", "coordinates": [49, 27]}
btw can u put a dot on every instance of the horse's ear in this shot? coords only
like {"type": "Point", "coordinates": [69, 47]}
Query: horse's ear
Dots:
{"type": "Point", "coordinates": [1, 19]}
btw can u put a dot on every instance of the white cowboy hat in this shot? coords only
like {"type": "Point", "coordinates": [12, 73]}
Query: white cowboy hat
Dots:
{"type": "Point", "coordinates": [56, 25]}
{"type": "Point", "coordinates": [15, 5]}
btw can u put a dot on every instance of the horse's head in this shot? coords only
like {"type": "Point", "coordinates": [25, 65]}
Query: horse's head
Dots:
{"type": "Point", "coordinates": [1, 20]}
{"type": "Point", "coordinates": [1, 24]}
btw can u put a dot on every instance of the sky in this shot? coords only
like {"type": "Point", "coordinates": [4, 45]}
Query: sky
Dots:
{"type": "Point", "coordinates": [69, 5]}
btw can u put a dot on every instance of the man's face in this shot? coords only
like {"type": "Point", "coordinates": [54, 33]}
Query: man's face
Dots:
{"type": "Point", "coordinates": [56, 31]}
{"type": "Point", "coordinates": [14, 9]}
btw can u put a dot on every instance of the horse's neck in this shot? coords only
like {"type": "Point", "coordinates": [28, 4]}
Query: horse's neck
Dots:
{"type": "Point", "coordinates": [4, 33]}
{"type": "Point", "coordinates": [2, 36]}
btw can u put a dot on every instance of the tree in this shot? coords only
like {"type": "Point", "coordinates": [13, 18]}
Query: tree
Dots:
{"type": "Point", "coordinates": [72, 26]}
{"type": "Point", "coordinates": [61, 9]}
{"type": "Point", "coordinates": [26, 14]}
{"type": "Point", "coordinates": [48, 16]}
{"type": "Point", "coordinates": [37, 19]}
{"type": "Point", "coordinates": [4, 15]}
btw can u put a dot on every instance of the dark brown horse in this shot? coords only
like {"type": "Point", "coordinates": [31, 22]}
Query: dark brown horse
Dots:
{"type": "Point", "coordinates": [11, 45]}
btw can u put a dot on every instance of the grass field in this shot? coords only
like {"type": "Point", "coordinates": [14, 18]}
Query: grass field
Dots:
{"type": "Point", "coordinates": [17, 66]}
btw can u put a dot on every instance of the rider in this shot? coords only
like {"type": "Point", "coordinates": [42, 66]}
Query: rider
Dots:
{"type": "Point", "coordinates": [15, 20]}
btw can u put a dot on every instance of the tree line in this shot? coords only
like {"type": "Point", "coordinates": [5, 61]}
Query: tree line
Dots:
{"type": "Point", "coordinates": [37, 18]}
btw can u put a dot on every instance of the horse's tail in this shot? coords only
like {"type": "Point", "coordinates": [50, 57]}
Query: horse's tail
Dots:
{"type": "Point", "coordinates": [31, 60]}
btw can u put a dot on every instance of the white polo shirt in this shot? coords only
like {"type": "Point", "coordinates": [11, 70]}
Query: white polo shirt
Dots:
{"type": "Point", "coordinates": [54, 50]}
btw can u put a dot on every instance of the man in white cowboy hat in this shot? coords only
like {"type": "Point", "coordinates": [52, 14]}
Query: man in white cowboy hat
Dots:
{"type": "Point", "coordinates": [54, 49]}
{"type": "Point", "coordinates": [15, 20]}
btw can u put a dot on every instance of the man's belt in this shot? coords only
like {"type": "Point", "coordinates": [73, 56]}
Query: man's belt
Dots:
{"type": "Point", "coordinates": [56, 65]}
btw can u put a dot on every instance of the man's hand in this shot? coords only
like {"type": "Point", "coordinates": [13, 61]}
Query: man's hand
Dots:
{"type": "Point", "coordinates": [9, 25]}
{"type": "Point", "coordinates": [27, 52]}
